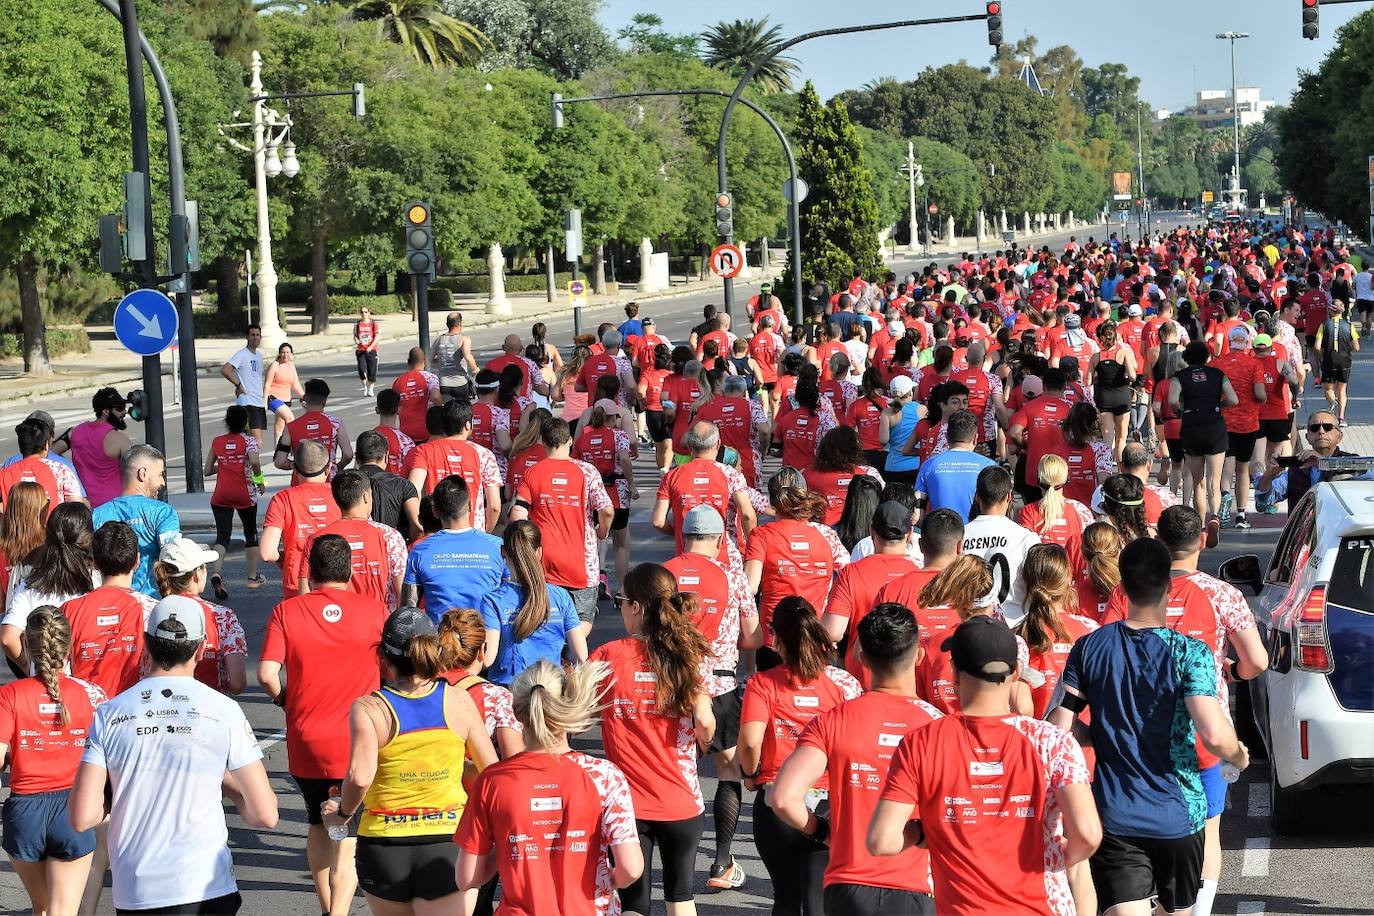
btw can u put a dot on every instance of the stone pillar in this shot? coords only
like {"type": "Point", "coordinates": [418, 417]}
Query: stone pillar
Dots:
{"type": "Point", "coordinates": [497, 303]}
{"type": "Point", "coordinates": [980, 228]}
{"type": "Point", "coordinates": [763, 256]}
{"type": "Point", "coordinates": [599, 271]}
{"type": "Point", "coordinates": [646, 252]}
{"type": "Point", "coordinates": [1005, 225]}
{"type": "Point", "coordinates": [1058, 221]}
{"type": "Point", "coordinates": [949, 231]}
{"type": "Point", "coordinates": [1025, 222]}
{"type": "Point", "coordinates": [1071, 221]}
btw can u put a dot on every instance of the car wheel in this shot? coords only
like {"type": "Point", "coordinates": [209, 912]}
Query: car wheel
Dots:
{"type": "Point", "coordinates": [1247, 729]}
{"type": "Point", "coordinates": [1287, 808]}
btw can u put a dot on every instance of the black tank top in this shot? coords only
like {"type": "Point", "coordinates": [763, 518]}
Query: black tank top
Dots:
{"type": "Point", "coordinates": [1162, 361]}
{"type": "Point", "coordinates": [742, 368]}
{"type": "Point", "coordinates": [1110, 372]}
{"type": "Point", "coordinates": [1200, 390]}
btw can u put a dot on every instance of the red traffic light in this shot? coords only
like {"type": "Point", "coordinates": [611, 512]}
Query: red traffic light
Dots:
{"type": "Point", "coordinates": [1309, 3]}
{"type": "Point", "coordinates": [995, 9]}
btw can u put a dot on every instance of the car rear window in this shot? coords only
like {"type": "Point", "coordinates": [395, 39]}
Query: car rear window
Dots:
{"type": "Point", "coordinates": [1352, 581]}
{"type": "Point", "coordinates": [1350, 624]}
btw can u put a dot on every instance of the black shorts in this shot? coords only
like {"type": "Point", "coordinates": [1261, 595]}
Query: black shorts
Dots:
{"type": "Point", "coordinates": [864, 900]}
{"type": "Point", "coordinates": [1311, 341]}
{"type": "Point", "coordinates": [1241, 446]}
{"type": "Point", "coordinates": [621, 520]}
{"type": "Point", "coordinates": [315, 792]}
{"type": "Point", "coordinates": [1276, 430]}
{"type": "Point", "coordinates": [660, 430]}
{"type": "Point", "coordinates": [1205, 435]}
{"type": "Point", "coordinates": [401, 870]}
{"type": "Point", "coordinates": [1330, 376]}
{"type": "Point", "coordinates": [726, 709]}
{"type": "Point", "coordinates": [1138, 868]}
{"type": "Point", "coordinates": [677, 843]}
{"type": "Point", "coordinates": [257, 417]}
{"type": "Point", "coordinates": [1364, 305]}
{"type": "Point", "coordinates": [1175, 447]}
{"type": "Point", "coordinates": [455, 392]}
{"type": "Point", "coordinates": [1115, 401]}
{"type": "Point", "coordinates": [768, 386]}
{"type": "Point", "coordinates": [224, 524]}
{"type": "Point", "coordinates": [227, 905]}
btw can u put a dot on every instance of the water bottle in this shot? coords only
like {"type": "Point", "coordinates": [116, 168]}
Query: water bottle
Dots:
{"type": "Point", "coordinates": [337, 832]}
{"type": "Point", "coordinates": [1229, 773]}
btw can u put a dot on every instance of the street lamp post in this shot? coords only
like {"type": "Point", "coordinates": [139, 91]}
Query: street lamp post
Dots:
{"type": "Point", "coordinates": [915, 179]}
{"type": "Point", "coordinates": [1235, 111]}
{"type": "Point", "coordinates": [722, 170]}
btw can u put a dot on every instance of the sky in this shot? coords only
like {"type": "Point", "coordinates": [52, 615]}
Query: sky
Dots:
{"type": "Point", "coordinates": [1169, 44]}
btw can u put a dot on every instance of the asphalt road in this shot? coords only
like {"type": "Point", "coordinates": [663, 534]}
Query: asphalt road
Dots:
{"type": "Point", "coordinates": [1325, 873]}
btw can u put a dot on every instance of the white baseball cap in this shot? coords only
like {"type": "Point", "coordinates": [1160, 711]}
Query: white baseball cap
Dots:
{"type": "Point", "coordinates": [177, 617]}
{"type": "Point", "coordinates": [901, 385]}
{"type": "Point", "coordinates": [185, 555]}
{"type": "Point", "coordinates": [1135, 311]}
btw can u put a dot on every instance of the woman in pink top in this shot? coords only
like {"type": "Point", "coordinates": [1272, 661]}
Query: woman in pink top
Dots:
{"type": "Point", "coordinates": [281, 383]}
{"type": "Point", "coordinates": [574, 402]}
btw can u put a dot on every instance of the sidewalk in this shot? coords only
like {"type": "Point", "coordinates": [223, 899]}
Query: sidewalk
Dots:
{"type": "Point", "coordinates": [78, 375]}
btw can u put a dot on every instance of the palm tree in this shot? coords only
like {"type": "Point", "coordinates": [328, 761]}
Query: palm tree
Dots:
{"type": "Point", "coordinates": [423, 28]}
{"type": "Point", "coordinates": [735, 46]}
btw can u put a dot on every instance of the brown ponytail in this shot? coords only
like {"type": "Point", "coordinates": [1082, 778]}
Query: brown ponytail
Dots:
{"type": "Point", "coordinates": [961, 585]}
{"type": "Point", "coordinates": [461, 638]}
{"type": "Point", "coordinates": [1102, 545]}
{"type": "Point", "coordinates": [801, 638]}
{"type": "Point", "coordinates": [789, 496]}
{"type": "Point", "coordinates": [169, 582]}
{"type": "Point", "coordinates": [521, 547]}
{"type": "Point", "coordinates": [423, 658]}
{"type": "Point", "coordinates": [48, 638]}
{"type": "Point", "coordinates": [1049, 587]}
{"type": "Point", "coordinates": [675, 646]}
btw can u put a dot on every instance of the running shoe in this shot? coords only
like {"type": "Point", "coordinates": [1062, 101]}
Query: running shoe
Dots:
{"type": "Point", "coordinates": [1242, 523]}
{"type": "Point", "coordinates": [726, 877]}
{"type": "Point", "coordinates": [1342, 423]}
{"type": "Point", "coordinates": [1213, 532]}
{"type": "Point", "coordinates": [217, 583]}
{"type": "Point", "coordinates": [1227, 503]}
{"type": "Point", "coordinates": [1269, 509]}
{"type": "Point", "coordinates": [257, 581]}
{"type": "Point", "coordinates": [603, 588]}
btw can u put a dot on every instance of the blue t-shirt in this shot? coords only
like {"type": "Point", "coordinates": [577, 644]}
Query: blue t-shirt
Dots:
{"type": "Point", "coordinates": [1147, 782]}
{"type": "Point", "coordinates": [155, 525]}
{"type": "Point", "coordinates": [631, 326]}
{"type": "Point", "coordinates": [544, 644]}
{"type": "Point", "coordinates": [455, 569]}
{"type": "Point", "coordinates": [845, 321]}
{"type": "Point", "coordinates": [950, 478]}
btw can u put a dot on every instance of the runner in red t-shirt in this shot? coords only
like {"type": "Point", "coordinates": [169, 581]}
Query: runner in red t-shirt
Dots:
{"type": "Point", "coordinates": [379, 551]}
{"type": "Point", "coordinates": [838, 461]}
{"type": "Point", "coordinates": [742, 425]}
{"type": "Point", "coordinates": [455, 455]}
{"type": "Point", "coordinates": [418, 389]}
{"type": "Point", "coordinates": [326, 639]}
{"type": "Point", "coordinates": [294, 514]}
{"type": "Point", "coordinates": [1002, 802]}
{"type": "Point", "coordinates": [1037, 427]}
{"type": "Point", "coordinates": [108, 623]}
{"type": "Point", "coordinates": [852, 745]}
{"type": "Point", "coordinates": [317, 426]}
{"type": "Point", "coordinates": [1246, 375]}
{"type": "Point", "coordinates": [703, 480]}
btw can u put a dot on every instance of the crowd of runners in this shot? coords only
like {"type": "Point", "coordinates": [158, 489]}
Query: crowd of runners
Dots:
{"type": "Point", "coordinates": [934, 600]}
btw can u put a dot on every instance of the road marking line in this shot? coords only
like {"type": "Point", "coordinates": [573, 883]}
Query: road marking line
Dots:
{"type": "Point", "coordinates": [1250, 908]}
{"type": "Point", "coordinates": [272, 738]}
{"type": "Point", "coordinates": [1259, 799]}
{"type": "Point", "coordinates": [1256, 861]}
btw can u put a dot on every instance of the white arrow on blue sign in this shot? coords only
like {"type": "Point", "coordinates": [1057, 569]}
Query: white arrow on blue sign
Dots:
{"type": "Point", "coordinates": [145, 321]}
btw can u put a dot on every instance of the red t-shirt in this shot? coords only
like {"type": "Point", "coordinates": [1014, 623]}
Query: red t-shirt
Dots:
{"type": "Point", "coordinates": [824, 352]}
{"type": "Point", "coordinates": [601, 446]}
{"type": "Point", "coordinates": [1042, 419]}
{"type": "Point", "coordinates": [1050, 663]}
{"type": "Point", "coordinates": [327, 641]}
{"type": "Point", "coordinates": [859, 739]}
{"type": "Point", "coordinates": [734, 418]}
{"type": "Point", "coordinates": [1277, 406]}
{"type": "Point", "coordinates": [43, 753]}
{"type": "Point", "coordinates": [398, 448]}
{"type": "Point", "coordinates": [934, 672]}
{"type": "Point", "coordinates": [299, 511]}
{"type": "Point", "coordinates": [979, 393]}
{"type": "Point", "coordinates": [379, 557]}
{"type": "Point", "coordinates": [446, 457]}
{"type": "Point", "coordinates": [652, 380]}
{"type": "Point", "coordinates": [866, 416]}
{"type": "Point", "coordinates": [513, 359]}
{"type": "Point", "coordinates": [519, 465]}
{"type": "Point", "coordinates": [1243, 370]}
{"type": "Point", "coordinates": [233, 481]}
{"type": "Point", "coordinates": [1082, 464]}
{"type": "Point", "coordinates": [764, 347]}
{"type": "Point", "coordinates": [31, 469]}
{"type": "Point", "coordinates": [929, 380]}
{"type": "Point", "coordinates": [985, 789]}
{"type": "Point", "coordinates": [1067, 530]}
{"type": "Point", "coordinates": [786, 707]}
{"type": "Point", "coordinates": [834, 486]}
{"type": "Point", "coordinates": [797, 429]}
{"type": "Point", "coordinates": [683, 392]}
{"type": "Point", "coordinates": [904, 590]}
{"type": "Point", "coordinates": [1092, 604]}
{"type": "Point", "coordinates": [108, 624]}
{"type": "Point", "coordinates": [797, 560]}
{"type": "Point", "coordinates": [700, 481]}
{"type": "Point", "coordinates": [855, 594]}
{"type": "Point", "coordinates": [1316, 305]}
{"type": "Point", "coordinates": [594, 368]}
{"type": "Point", "coordinates": [564, 870]}
{"type": "Point", "coordinates": [564, 497]}
{"type": "Point", "coordinates": [657, 752]}
{"type": "Point", "coordinates": [320, 427]}
{"type": "Point", "coordinates": [414, 387]}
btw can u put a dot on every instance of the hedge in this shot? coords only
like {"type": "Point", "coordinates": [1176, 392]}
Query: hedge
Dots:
{"type": "Point", "coordinates": [61, 341]}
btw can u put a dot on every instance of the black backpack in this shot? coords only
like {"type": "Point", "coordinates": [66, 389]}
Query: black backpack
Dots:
{"type": "Point", "coordinates": [1337, 343]}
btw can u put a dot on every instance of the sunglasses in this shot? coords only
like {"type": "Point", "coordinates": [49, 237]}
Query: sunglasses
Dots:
{"type": "Point", "coordinates": [619, 599]}
{"type": "Point", "coordinates": [1321, 427]}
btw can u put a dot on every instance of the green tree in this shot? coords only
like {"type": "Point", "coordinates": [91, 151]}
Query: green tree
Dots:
{"type": "Point", "coordinates": [1111, 90]}
{"type": "Point", "coordinates": [66, 142]}
{"type": "Point", "coordinates": [879, 104]}
{"type": "Point", "coordinates": [735, 46]}
{"type": "Point", "coordinates": [1075, 184]}
{"type": "Point", "coordinates": [839, 216]}
{"type": "Point", "coordinates": [645, 35]}
{"type": "Point", "coordinates": [432, 36]}
{"type": "Point", "coordinates": [563, 38]}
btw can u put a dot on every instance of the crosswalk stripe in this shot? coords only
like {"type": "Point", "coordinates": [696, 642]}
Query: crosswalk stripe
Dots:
{"type": "Point", "coordinates": [1255, 864]}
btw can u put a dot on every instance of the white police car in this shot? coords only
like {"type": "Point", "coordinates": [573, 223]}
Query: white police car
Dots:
{"type": "Point", "coordinates": [1314, 707]}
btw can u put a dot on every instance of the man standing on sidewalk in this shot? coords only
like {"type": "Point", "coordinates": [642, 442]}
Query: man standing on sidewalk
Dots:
{"type": "Point", "coordinates": [326, 638]}
{"type": "Point", "coordinates": [155, 523]}
{"type": "Point", "coordinates": [243, 370]}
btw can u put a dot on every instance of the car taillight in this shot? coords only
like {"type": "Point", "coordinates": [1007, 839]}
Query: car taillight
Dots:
{"type": "Point", "coordinates": [1314, 649]}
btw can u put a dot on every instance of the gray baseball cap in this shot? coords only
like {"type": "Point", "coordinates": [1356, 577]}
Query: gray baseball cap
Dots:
{"type": "Point", "coordinates": [703, 521]}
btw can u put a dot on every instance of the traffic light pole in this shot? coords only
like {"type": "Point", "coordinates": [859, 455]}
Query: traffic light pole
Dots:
{"type": "Point", "coordinates": [722, 171]}
{"type": "Point", "coordinates": [422, 308]}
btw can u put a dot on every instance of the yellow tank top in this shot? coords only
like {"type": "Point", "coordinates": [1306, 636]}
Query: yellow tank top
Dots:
{"type": "Point", "coordinates": [418, 790]}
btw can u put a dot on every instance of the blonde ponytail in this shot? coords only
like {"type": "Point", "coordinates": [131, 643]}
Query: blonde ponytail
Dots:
{"type": "Point", "coordinates": [551, 702]}
{"type": "Point", "coordinates": [1052, 474]}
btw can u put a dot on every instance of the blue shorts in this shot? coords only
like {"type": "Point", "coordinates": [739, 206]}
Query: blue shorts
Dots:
{"type": "Point", "coordinates": [36, 828]}
{"type": "Point", "coordinates": [276, 404]}
{"type": "Point", "coordinates": [1214, 787]}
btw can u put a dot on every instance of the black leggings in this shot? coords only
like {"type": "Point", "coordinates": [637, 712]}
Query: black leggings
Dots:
{"type": "Point", "coordinates": [367, 365]}
{"type": "Point", "coordinates": [796, 863]}
{"type": "Point", "coordinates": [224, 525]}
{"type": "Point", "coordinates": [677, 842]}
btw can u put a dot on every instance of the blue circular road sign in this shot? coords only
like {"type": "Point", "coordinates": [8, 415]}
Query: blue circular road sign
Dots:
{"type": "Point", "coordinates": [145, 321]}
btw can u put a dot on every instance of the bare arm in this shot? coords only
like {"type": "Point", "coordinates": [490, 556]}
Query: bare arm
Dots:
{"type": "Point", "coordinates": [753, 572]}
{"type": "Point", "coordinates": [1082, 827]}
{"type": "Point", "coordinates": [345, 445]}
{"type": "Point", "coordinates": [751, 748]}
{"type": "Point", "coordinates": [281, 456]}
{"type": "Point", "coordinates": [660, 517]}
{"type": "Point", "coordinates": [493, 506]}
{"type": "Point", "coordinates": [1252, 657]}
{"type": "Point", "coordinates": [835, 626]}
{"type": "Point", "coordinates": [577, 643]}
{"type": "Point", "coordinates": [1215, 732]}
{"type": "Point", "coordinates": [269, 676]}
{"type": "Point", "coordinates": [1228, 394]}
{"type": "Point", "coordinates": [892, 829]}
{"type": "Point", "coordinates": [269, 545]}
{"type": "Point", "coordinates": [802, 769]}
{"type": "Point", "coordinates": [747, 519]}
{"type": "Point", "coordinates": [256, 801]}
{"type": "Point", "coordinates": [86, 802]}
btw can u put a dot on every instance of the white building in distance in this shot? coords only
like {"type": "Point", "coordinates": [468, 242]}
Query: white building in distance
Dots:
{"type": "Point", "coordinates": [1212, 108]}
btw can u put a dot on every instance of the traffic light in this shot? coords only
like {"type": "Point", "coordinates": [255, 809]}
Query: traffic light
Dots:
{"type": "Point", "coordinates": [138, 409]}
{"type": "Point", "coordinates": [184, 241]}
{"type": "Point", "coordinates": [1311, 26]}
{"type": "Point", "coordinates": [556, 109]}
{"type": "Point", "coordinates": [725, 216]}
{"type": "Point", "coordinates": [420, 259]}
{"type": "Point", "coordinates": [994, 12]}
{"type": "Point", "coordinates": [135, 217]}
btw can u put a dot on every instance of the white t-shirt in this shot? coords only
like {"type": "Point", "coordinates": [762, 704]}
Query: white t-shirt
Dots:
{"type": "Point", "coordinates": [1003, 545]}
{"type": "Point", "coordinates": [248, 364]}
{"type": "Point", "coordinates": [23, 601]}
{"type": "Point", "coordinates": [857, 350]}
{"type": "Point", "coordinates": [166, 742]}
{"type": "Point", "coordinates": [865, 549]}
